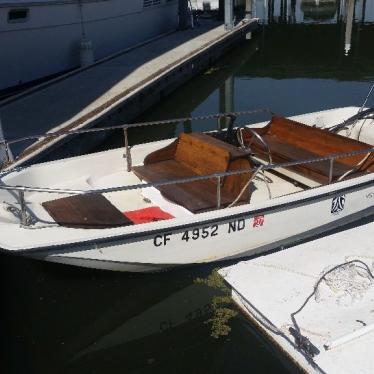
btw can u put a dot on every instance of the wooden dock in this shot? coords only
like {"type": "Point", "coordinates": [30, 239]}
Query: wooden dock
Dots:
{"type": "Point", "coordinates": [132, 80]}
{"type": "Point", "coordinates": [336, 324]}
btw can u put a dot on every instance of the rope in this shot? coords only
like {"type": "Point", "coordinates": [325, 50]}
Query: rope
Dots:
{"type": "Point", "coordinates": [355, 168]}
{"type": "Point", "coordinates": [18, 213]}
{"type": "Point", "coordinates": [367, 98]}
{"type": "Point", "coordinates": [364, 114]}
{"type": "Point", "coordinates": [359, 115]}
{"type": "Point", "coordinates": [303, 342]}
{"type": "Point", "coordinates": [246, 186]}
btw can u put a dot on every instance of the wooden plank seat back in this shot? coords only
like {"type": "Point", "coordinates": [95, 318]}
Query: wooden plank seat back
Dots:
{"type": "Point", "coordinates": [197, 154]}
{"type": "Point", "coordinates": [206, 155]}
{"type": "Point", "coordinates": [289, 140]}
{"type": "Point", "coordinates": [201, 154]}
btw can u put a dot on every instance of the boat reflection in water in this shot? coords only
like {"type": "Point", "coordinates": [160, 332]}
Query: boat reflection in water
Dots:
{"type": "Point", "coordinates": [85, 321]}
{"type": "Point", "coordinates": [176, 310]}
{"type": "Point", "coordinates": [176, 322]}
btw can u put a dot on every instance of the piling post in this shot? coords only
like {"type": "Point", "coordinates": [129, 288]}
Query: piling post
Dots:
{"type": "Point", "coordinates": [184, 15]}
{"type": "Point", "coordinates": [248, 9]}
{"type": "Point", "coordinates": [229, 14]}
{"type": "Point", "coordinates": [349, 25]}
{"type": "Point", "coordinates": [226, 98]}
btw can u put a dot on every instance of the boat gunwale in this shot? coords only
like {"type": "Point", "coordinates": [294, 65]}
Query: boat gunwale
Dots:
{"type": "Point", "coordinates": [220, 219]}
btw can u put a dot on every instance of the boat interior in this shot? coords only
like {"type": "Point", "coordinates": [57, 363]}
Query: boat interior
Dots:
{"type": "Point", "coordinates": [196, 155]}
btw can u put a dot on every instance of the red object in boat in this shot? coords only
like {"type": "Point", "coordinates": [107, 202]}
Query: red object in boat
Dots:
{"type": "Point", "coordinates": [146, 215]}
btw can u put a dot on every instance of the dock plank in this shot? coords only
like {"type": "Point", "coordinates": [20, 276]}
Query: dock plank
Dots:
{"type": "Point", "coordinates": [85, 97]}
{"type": "Point", "coordinates": [269, 288]}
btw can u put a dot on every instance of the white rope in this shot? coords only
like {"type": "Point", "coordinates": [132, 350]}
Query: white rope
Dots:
{"type": "Point", "coordinates": [246, 186]}
{"type": "Point", "coordinates": [367, 98]}
{"type": "Point", "coordinates": [355, 168]}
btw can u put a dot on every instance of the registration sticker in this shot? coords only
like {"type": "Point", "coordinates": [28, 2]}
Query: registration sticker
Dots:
{"type": "Point", "coordinates": [258, 221]}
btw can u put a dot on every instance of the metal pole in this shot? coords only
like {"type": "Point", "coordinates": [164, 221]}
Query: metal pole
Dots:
{"type": "Point", "coordinates": [183, 14]}
{"type": "Point", "coordinates": [22, 203]}
{"type": "Point", "coordinates": [127, 155]}
{"type": "Point", "coordinates": [226, 99]}
{"type": "Point", "coordinates": [5, 156]}
{"type": "Point", "coordinates": [219, 123]}
{"type": "Point", "coordinates": [349, 26]}
{"type": "Point", "coordinates": [218, 192]}
{"type": "Point", "coordinates": [363, 11]}
{"type": "Point", "coordinates": [331, 169]}
{"type": "Point", "coordinates": [248, 9]}
{"type": "Point", "coordinates": [187, 126]}
{"type": "Point", "coordinates": [229, 14]}
{"type": "Point", "coordinates": [8, 153]}
{"type": "Point", "coordinates": [250, 191]}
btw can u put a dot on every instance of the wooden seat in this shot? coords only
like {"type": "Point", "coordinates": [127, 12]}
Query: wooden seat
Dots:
{"type": "Point", "coordinates": [290, 141]}
{"type": "Point", "coordinates": [194, 196]}
{"type": "Point", "coordinates": [91, 211]}
{"type": "Point", "coordinates": [193, 155]}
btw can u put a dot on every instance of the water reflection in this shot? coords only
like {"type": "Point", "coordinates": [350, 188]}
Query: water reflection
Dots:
{"type": "Point", "coordinates": [350, 8]}
{"type": "Point", "coordinates": [311, 11]}
{"type": "Point", "coordinates": [318, 10]}
{"type": "Point", "coordinates": [66, 320]}
{"type": "Point", "coordinates": [279, 68]}
{"type": "Point", "coordinates": [183, 306]}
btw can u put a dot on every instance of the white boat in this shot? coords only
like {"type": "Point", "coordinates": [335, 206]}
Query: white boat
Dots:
{"type": "Point", "coordinates": [195, 199]}
{"type": "Point", "coordinates": [55, 36]}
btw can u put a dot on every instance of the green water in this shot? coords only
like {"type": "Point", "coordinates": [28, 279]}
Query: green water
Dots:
{"type": "Point", "coordinates": [59, 319]}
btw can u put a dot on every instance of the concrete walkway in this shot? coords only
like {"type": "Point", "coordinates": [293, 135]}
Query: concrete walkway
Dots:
{"type": "Point", "coordinates": [80, 99]}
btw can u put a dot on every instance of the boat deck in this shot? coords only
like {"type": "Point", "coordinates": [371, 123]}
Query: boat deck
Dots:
{"type": "Point", "coordinates": [338, 320]}
{"type": "Point", "coordinates": [133, 200]}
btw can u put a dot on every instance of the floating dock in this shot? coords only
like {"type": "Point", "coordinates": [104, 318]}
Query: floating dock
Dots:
{"type": "Point", "coordinates": [132, 81]}
{"type": "Point", "coordinates": [335, 326]}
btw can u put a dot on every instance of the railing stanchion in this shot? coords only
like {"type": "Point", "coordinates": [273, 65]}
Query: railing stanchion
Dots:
{"type": "Point", "coordinates": [218, 192]}
{"type": "Point", "coordinates": [7, 153]}
{"type": "Point", "coordinates": [331, 170]}
{"type": "Point", "coordinates": [22, 202]}
{"type": "Point", "coordinates": [127, 155]}
{"type": "Point", "coordinates": [249, 192]}
{"type": "Point", "coordinates": [219, 123]}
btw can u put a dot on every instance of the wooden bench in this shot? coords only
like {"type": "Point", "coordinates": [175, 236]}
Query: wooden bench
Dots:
{"type": "Point", "coordinates": [193, 155]}
{"type": "Point", "coordinates": [290, 141]}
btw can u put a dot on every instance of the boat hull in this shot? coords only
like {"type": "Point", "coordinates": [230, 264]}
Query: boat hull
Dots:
{"type": "Point", "coordinates": [250, 232]}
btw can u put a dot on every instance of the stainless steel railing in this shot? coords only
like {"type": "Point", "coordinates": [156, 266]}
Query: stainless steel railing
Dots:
{"type": "Point", "coordinates": [57, 134]}
{"type": "Point", "coordinates": [218, 176]}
